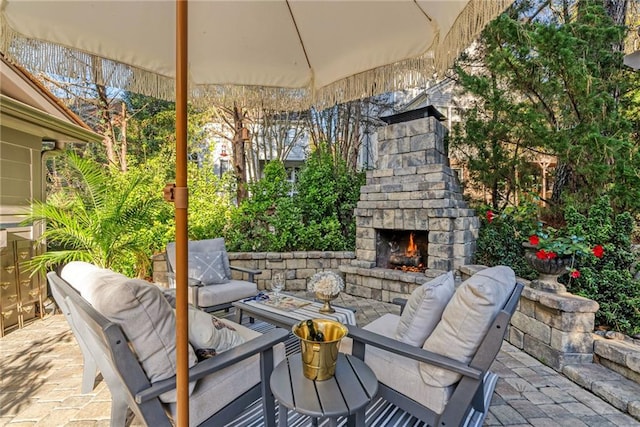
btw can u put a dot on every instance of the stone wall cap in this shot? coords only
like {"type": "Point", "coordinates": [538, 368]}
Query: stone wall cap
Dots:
{"type": "Point", "coordinates": [471, 269]}
{"type": "Point", "coordinates": [568, 302]}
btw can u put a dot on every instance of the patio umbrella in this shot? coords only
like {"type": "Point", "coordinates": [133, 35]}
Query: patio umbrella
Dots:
{"type": "Point", "coordinates": [283, 54]}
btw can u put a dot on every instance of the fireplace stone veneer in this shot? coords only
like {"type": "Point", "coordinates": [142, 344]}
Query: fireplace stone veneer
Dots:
{"type": "Point", "coordinates": [413, 189]}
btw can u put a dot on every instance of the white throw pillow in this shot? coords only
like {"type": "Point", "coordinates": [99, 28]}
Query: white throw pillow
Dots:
{"type": "Point", "coordinates": [466, 320]}
{"type": "Point", "coordinates": [209, 332]}
{"type": "Point", "coordinates": [208, 267]}
{"type": "Point", "coordinates": [424, 309]}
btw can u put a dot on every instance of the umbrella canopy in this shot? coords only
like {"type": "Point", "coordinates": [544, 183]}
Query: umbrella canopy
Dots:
{"type": "Point", "coordinates": [277, 53]}
{"type": "Point", "coordinates": [318, 52]}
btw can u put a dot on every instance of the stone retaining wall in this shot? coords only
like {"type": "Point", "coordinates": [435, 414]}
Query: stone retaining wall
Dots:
{"type": "Point", "coordinates": [383, 284]}
{"type": "Point", "coordinates": [619, 355]}
{"type": "Point", "coordinates": [555, 328]}
{"type": "Point", "coordinates": [298, 266]}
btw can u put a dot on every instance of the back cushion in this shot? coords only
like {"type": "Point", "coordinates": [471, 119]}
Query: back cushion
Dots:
{"type": "Point", "coordinates": [208, 267]}
{"type": "Point", "coordinates": [202, 247]}
{"type": "Point", "coordinates": [140, 309]}
{"type": "Point", "coordinates": [466, 320]}
{"type": "Point", "coordinates": [424, 309]}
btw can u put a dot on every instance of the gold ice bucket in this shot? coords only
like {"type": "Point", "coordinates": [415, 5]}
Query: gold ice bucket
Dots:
{"type": "Point", "coordinates": [319, 357]}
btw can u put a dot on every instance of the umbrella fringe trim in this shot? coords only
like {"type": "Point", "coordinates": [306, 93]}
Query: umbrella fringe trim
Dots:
{"type": "Point", "coordinates": [414, 72]}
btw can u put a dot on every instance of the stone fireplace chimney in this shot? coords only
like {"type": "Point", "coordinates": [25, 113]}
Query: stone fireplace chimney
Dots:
{"type": "Point", "coordinates": [412, 223]}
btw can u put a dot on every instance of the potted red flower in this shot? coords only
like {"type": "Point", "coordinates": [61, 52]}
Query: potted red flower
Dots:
{"type": "Point", "coordinates": [552, 252]}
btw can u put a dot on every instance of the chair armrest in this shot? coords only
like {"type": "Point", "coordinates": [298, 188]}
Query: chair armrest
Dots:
{"type": "Point", "coordinates": [362, 337]}
{"type": "Point", "coordinates": [402, 302]}
{"type": "Point", "coordinates": [230, 357]}
{"type": "Point", "coordinates": [250, 271]}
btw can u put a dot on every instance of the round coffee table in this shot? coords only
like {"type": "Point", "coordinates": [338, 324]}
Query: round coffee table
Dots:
{"type": "Point", "coordinates": [346, 394]}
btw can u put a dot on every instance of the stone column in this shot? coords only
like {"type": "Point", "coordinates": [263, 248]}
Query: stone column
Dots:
{"type": "Point", "coordinates": [554, 328]}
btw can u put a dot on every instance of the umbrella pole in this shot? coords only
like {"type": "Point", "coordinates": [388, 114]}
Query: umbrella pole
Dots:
{"type": "Point", "coordinates": [181, 205]}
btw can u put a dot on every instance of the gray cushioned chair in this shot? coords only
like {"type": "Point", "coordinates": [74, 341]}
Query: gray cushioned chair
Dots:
{"type": "Point", "coordinates": [446, 381]}
{"type": "Point", "coordinates": [221, 387]}
{"type": "Point", "coordinates": [211, 285]}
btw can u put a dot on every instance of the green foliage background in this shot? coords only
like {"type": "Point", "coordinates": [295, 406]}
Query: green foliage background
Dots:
{"type": "Point", "coordinates": [607, 280]}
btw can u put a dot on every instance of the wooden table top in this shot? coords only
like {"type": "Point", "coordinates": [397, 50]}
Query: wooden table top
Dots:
{"type": "Point", "coordinates": [351, 389]}
{"type": "Point", "coordinates": [288, 318]}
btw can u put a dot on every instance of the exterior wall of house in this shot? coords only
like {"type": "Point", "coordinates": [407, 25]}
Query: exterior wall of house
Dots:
{"type": "Point", "coordinates": [20, 178]}
{"type": "Point", "coordinates": [20, 182]}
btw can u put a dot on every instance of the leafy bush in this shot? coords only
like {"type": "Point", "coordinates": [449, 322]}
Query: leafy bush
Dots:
{"type": "Point", "coordinates": [607, 280]}
{"type": "Point", "coordinates": [328, 192]}
{"type": "Point", "coordinates": [318, 217]}
{"type": "Point", "coordinates": [210, 205]}
{"type": "Point", "coordinates": [268, 220]}
{"type": "Point", "coordinates": [501, 236]}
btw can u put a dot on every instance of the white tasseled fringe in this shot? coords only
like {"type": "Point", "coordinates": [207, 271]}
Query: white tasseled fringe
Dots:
{"type": "Point", "coordinates": [58, 60]}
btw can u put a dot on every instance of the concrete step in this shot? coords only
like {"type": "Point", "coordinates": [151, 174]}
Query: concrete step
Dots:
{"type": "Point", "coordinates": [612, 387]}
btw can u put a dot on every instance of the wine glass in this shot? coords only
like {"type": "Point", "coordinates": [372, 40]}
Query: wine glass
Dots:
{"type": "Point", "coordinates": [277, 284]}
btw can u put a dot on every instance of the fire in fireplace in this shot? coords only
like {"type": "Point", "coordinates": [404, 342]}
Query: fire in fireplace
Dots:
{"type": "Point", "coordinates": [402, 250]}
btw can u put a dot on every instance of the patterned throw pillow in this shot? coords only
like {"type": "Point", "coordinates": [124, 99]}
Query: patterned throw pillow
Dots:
{"type": "Point", "coordinates": [208, 332]}
{"type": "Point", "coordinates": [208, 267]}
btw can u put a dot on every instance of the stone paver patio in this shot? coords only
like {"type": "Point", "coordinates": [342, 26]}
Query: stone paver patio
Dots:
{"type": "Point", "coordinates": [41, 373]}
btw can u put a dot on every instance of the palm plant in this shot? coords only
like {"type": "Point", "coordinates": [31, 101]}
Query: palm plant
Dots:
{"type": "Point", "coordinates": [99, 219]}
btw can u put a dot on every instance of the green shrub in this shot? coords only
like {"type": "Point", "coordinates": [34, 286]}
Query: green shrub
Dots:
{"type": "Point", "coordinates": [501, 236]}
{"type": "Point", "coordinates": [318, 217]}
{"type": "Point", "coordinates": [328, 192]}
{"type": "Point", "coordinates": [607, 280]}
{"type": "Point", "coordinates": [268, 220]}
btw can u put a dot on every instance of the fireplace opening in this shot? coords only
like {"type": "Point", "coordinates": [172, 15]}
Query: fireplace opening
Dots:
{"type": "Point", "coordinates": [402, 250]}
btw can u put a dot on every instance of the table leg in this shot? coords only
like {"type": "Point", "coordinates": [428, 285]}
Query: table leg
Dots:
{"type": "Point", "coordinates": [314, 421]}
{"type": "Point", "coordinates": [282, 416]}
{"type": "Point", "coordinates": [333, 422]}
{"type": "Point", "coordinates": [238, 316]}
{"type": "Point", "coordinates": [357, 419]}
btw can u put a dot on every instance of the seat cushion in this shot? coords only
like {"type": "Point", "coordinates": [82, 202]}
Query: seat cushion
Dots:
{"type": "Point", "coordinates": [217, 390]}
{"type": "Point", "coordinates": [208, 267]}
{"type": "Point", "coordinates": [140, 309]}
{"type": "Point", "coordinates": [466, 320]}
{"type": "Point", "coordinates": [225, 293]}
{"type": "Point", "coordinates": [424, 309]}
{"type": "Point", "coordinates": [209, 332]}
{"type": "Point", "coordinates": [398, 372]}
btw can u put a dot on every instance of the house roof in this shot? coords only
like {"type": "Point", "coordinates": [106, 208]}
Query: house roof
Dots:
{"type": "Point", "coordinates": [29, 106]}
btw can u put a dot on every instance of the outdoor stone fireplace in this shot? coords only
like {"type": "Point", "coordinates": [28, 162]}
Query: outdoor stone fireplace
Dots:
{"type": "Point", "coordinates": [412, 223]}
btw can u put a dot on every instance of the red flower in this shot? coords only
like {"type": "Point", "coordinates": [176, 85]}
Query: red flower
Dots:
{"type": "Point", "coordinates": [542, 254]}
{"type": "Point", "coordinates": [534, 240]}
{"type": "Point", "coordinates": [575, 274]}
{"type": "Point", "coordinates": [490, 216]}
{"type": "Point", "coordinates": [598, 251]}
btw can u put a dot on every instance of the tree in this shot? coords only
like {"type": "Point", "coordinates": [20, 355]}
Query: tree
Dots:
{"type": "Point", "coordinates": [279, 133]}
{"type": "Point", "coordinates": [342, 128]}
{"type": "Point", "coordinates": [102, 109]}
{"type": "Point", "coordinates": [234, 122]}
{"type": "Point", "coordinates": [562, 80]}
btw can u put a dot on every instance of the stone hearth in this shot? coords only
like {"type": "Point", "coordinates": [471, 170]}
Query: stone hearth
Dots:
{"type": "Point", "coordinates": [413, 190]}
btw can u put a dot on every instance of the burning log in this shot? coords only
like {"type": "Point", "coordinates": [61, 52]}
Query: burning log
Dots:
{"type": "Point", "coordinates": [413, 261]}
